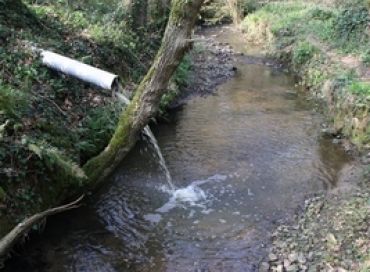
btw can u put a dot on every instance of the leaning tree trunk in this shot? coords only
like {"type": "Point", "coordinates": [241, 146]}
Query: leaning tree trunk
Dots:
{"type": "Point", "coordinates": [145, 103]}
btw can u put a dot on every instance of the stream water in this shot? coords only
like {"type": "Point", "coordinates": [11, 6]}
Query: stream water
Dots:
{"type": "Point", "coordinates": [242, 161]}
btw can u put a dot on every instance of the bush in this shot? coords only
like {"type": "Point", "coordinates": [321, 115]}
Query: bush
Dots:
{"type": "Point", "coordinates": [350, 26]}
{"type": "Point", "coordinates": [250, 6]}
{"type": "Point", "coordinates": [13, 103]}
{"type": "Point", "coordinates": [302, 53]}
{"type": "Point", "coordinates": [320, 14]}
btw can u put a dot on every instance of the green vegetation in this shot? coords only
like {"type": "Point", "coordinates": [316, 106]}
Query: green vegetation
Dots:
{"type": "Point", "coordinates": [38, 106]}
{"type": "Point", "coordinates": [326, 43]}
{"type": "Point", "coordinates": [302, 53]}
{"type": "Point", "coordinates": [360, 88]}
{"type": "Point", "coordinates": [218, 12]}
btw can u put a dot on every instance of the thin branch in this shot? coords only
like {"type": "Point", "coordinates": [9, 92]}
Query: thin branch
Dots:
{"type": "Point", "coordinates": [9, 240]}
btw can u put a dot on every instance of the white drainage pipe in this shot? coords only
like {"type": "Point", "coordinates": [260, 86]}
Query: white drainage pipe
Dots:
{"type": "Point", "coordinates": [79, 70]}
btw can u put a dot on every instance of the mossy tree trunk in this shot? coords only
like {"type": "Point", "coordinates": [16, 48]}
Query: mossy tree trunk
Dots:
{"type": "Point", "coordinates": [145, 103]}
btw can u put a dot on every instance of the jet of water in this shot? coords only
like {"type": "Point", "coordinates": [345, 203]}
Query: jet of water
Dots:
{"type": "Point", "coordinates": [153, 141]}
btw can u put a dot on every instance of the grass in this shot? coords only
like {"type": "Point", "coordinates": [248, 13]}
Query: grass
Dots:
{"type": "Point", "coordinates": [360, 88]}
{"type": "Point", "coordinates": [342, 26]}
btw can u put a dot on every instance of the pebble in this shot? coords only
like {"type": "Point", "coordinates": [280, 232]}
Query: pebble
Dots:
{"type": "Point", "coordinates": [273, 257]}
{"type": "Point", "coordinates": [293, 257]}
{"type": "Point", "coordinates": [264, 267]}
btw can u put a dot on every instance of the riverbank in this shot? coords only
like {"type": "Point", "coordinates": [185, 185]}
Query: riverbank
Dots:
{"type": "Point", "coordinates": [328, 51]}
{"type": "Point", "coordinates": [326, 45]}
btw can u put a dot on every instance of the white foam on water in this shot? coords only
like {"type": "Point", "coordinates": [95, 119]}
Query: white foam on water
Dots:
{"type": "Point", "coordinates": [190, 196]}
{"type": "Point", "coordinates": [153, 218]}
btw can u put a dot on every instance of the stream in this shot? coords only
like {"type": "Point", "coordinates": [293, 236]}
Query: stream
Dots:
{"type": "Point", "coordinates": [243, 161]}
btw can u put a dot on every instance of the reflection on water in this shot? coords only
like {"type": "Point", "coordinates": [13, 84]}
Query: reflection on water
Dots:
{"type": "Point", "coordinates": [242, 161]}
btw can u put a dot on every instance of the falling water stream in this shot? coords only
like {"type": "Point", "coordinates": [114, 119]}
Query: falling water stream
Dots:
{"type": "Point", "coordinates": [153, 141]}
{"type": "Point", "coordinates": [242, 161]}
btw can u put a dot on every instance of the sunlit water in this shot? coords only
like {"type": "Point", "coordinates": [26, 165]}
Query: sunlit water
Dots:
{"type": "Point", "coordinates": [242, 161]}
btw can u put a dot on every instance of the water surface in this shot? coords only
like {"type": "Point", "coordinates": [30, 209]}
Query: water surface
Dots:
{"type": "Point", "coordinates": [243, 160]}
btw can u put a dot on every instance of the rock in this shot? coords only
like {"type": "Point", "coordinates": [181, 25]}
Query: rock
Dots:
{"type": "Point", "coordinates": [292, 268]}
{"type": "Point", "coordinates": [264, 267]}
{"type": "Point", "coordinates": [293, 257]}
{"type": "Point", "coordinates": [332, 241]}
{"type": "Point", "coordinates": [286, 263]}
{"type": "Point", "coordinates": [280, 268]}
{"type": "Point", "coordinates": [272, 257]}
{"type": "Point", "coordinates": [301, 259]}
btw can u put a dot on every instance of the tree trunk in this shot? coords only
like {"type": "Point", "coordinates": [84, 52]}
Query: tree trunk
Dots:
{"type": "Point", "coordinates": [144, 105]}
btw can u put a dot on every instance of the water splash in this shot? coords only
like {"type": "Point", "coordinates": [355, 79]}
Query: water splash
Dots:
{"type": "Point", "coordinates": [192, 195]}
{"type": "Point", "coordinates": [154, 142]}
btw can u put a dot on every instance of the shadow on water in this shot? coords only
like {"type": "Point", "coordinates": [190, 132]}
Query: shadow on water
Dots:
{"type": "Point", "coordinates": [243, 161]}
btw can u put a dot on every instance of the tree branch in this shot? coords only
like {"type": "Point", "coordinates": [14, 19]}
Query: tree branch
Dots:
{"type": "Point", "coordinates": [9, 240]}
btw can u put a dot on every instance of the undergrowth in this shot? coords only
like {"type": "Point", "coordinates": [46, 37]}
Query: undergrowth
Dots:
{"type": "Point", "coordinates": [47, 118]}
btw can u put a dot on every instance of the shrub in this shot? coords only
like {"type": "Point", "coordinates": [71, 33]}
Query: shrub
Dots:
{"type": "Point", "coordinates": [302, 53]}
{"type": "Point", "coordinates": [13, 103]}
{"type": "Point", "coordinates": [320, 14]}
{"type": "Point", "coordinates": [350, 26]}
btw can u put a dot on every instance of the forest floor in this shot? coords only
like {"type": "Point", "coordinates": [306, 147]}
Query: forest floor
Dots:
{"type": "Point", "coordinates": [38, 105]}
